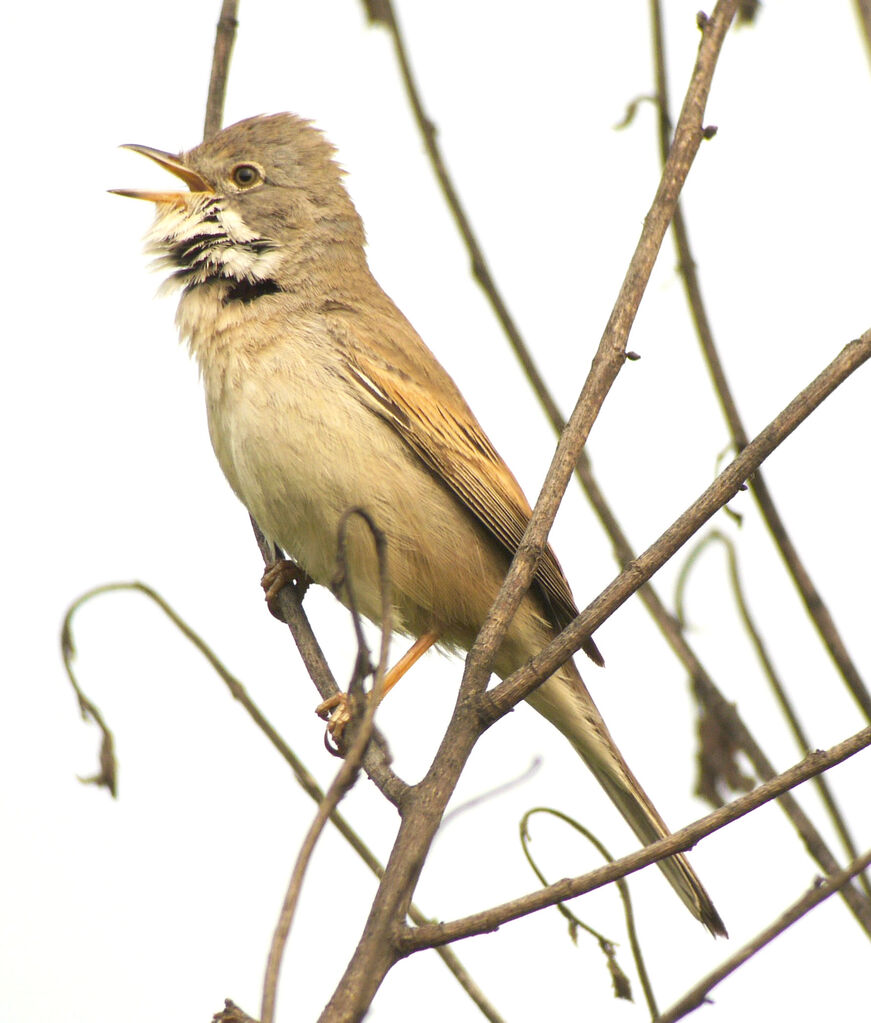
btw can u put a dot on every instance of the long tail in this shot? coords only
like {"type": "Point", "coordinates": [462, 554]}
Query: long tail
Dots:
{"type": "Point", "coordinates": [565, 702]}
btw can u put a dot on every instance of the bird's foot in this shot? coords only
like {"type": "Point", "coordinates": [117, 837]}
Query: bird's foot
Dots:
{"type": "Point", "coordinates": [336, 712]}
{"type": "Point", "coordinates": [276, 576]}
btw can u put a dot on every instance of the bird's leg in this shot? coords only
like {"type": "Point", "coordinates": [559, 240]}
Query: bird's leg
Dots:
{"type": "Point", "coordinates": [276, 576]}
{"type": "Point", "coordinates": [409, 659]}
{"type": "Point", "coordinates": [335, 710]}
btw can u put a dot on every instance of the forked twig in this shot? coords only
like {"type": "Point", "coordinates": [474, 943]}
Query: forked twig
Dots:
{"type": "Point", "coordinates": [723, 710]}
{"type": "Point", "coordinates": [519, 685]}
{"type": "Point", "coordinates": [347, 773]}
{"type": "Point", "coordinates": [611, 353]}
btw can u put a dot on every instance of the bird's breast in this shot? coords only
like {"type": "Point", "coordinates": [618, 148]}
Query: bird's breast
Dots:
{"type": "Point", "coordinates": [291, 436]}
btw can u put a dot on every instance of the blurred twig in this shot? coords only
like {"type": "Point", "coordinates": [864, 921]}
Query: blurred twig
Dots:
{"type": "Point", "coordinates": [225, 36]}
{"type": "Point", "coordinates": [107, 776]}
{"type": "Point", "coordinates": [483, 797]}
{"type": "Point", "coordinates": [415, 939]}
{"type": "Point", "coordinates": [780, 694]}
{"type": "Point", "coordinates": [620, 980]}
{"type": "Point", "coordinates": [517, 686]}
{"type": "Point", "coordinates": [821, 890]}
{"type": "Point", "coordinates": [304, 778]}
{"type": "Point", "coordinates": [231, 1013]}
{"type": "Point", "coordinates": [723, 711]}
{"type": "Point", "coordinates": [811, 597]}
{"type": "Point", "coordinates": [382, 12]}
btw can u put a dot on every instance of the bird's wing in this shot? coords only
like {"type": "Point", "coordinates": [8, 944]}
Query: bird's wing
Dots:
{"type": "Point", "coordinates": [418, 398]}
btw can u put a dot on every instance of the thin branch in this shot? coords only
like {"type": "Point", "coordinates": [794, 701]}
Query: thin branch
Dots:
{"type": "Point", "coordinates": [415, 939]}
{"type": "Point", "coordinates": [376, 762]}
{"type": "Point", "coordinates": [301, 773]}
{"type": "Point", "coordinates": [821, 891]}
{"type": "Point", "coordinates": [521, 683]}
{"type": "Point", "coordinates": [225, 36]}
{"type": "Point", "coordinates": [814, 843]}
{"type": "Point", "coordinates": [347, 773]}
{"type": "Point", "coordinates": [383, 13]}
{"type": "Point", "coordinates": [611, 352]}
{"type": "Point", "coordinates": [377, 950]}
{"type": "Point", "coordinates": [723, 711]}
{"type": "Point", "coordinates": [297, 621]}
{"type": "Point", "coordinates": [518, 686]}
{"type": "Point", "coordinates": [780, 694]}
{"type": "Point", "coordinates": [574, 922]}
{"type": "Point", "coordinates": [496, 790]}
{"type": "Point", "coordinates": [811, 597]}
{"type": "Point", "coordinates": [376, 759]}
{"type": "Point", "coordinates": [107, 776]}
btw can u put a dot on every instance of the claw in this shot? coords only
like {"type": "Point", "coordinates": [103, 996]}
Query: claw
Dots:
{"type": "Point", "coordinates": [337, 713]}
{"type": "Point", "coordinates": [276, 576]}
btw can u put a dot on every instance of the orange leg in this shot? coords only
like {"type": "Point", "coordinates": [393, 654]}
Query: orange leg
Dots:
{"type": "Point", "coordinates": [409, 659]}
{"type": "Point", "coordinates": [335, 710]}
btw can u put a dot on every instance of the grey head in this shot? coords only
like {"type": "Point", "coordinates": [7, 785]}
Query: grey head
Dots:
{"type": "Point", "coordinates": [263, 195]}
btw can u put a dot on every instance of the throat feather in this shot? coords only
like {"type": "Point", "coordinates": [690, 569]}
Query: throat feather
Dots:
{"type": "Point", "coordinates": [204, 242]}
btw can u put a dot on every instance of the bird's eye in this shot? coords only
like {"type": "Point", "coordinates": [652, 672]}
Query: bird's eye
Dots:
{"type": "Point", "coordinates": [245, 175]}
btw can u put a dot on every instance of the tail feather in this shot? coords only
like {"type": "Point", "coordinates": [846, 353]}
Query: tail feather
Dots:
{"type": "Point", "coordinates": [641, 815]}
{"type": "Point", "coordinates": [565, 702]}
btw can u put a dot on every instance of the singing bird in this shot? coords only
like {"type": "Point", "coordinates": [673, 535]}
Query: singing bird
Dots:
{"type": "Point", "coordinates": [321, 396]}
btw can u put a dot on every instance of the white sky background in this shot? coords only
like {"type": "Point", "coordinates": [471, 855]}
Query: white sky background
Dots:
{"type": "Point", "coordinates": [161, 904]}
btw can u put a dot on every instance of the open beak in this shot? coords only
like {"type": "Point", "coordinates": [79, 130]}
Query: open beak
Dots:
{"type": "Point", "coordinates": [174, 165]}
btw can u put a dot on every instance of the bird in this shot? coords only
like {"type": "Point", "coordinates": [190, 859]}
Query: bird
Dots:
{"type": "Point", "coordinates": [320, 396]}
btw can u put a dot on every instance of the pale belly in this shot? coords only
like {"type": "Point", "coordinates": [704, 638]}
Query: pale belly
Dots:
{"type": "Point", "coordinates": [300, 447]}
{"type": "Point", "coordinates": [303, 449]}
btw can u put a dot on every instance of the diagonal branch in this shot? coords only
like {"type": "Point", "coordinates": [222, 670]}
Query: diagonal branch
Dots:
{"type": "Point", "coordinates": [813, 601]}
{"type": "Point", "coordinates": [239, 693]}
{"type": "Point", "coordinates": [611, 352]}
{"type": "Point", "coordinates": [347, 773]}
{"type": "Point", "coordinates": [377, 950]}
{"type": "Point", "coordinates": [723, 711]}
{"type": "Point", "coordinates": [376, 761]}
{"type": "Point", "coordinates": [382, 12]}
{"type": "Point", "coordinates": [821, 891]}
{"type": "Point", "coordinates": [778, 689]}
{"type": "Point", "coordinates": [519, 685]}
{"type": "Point", "coordinates": [414, 939]}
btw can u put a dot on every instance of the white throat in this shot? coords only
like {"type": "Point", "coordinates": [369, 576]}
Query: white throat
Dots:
{"type": "Point", "coordinates": [202, 241]}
